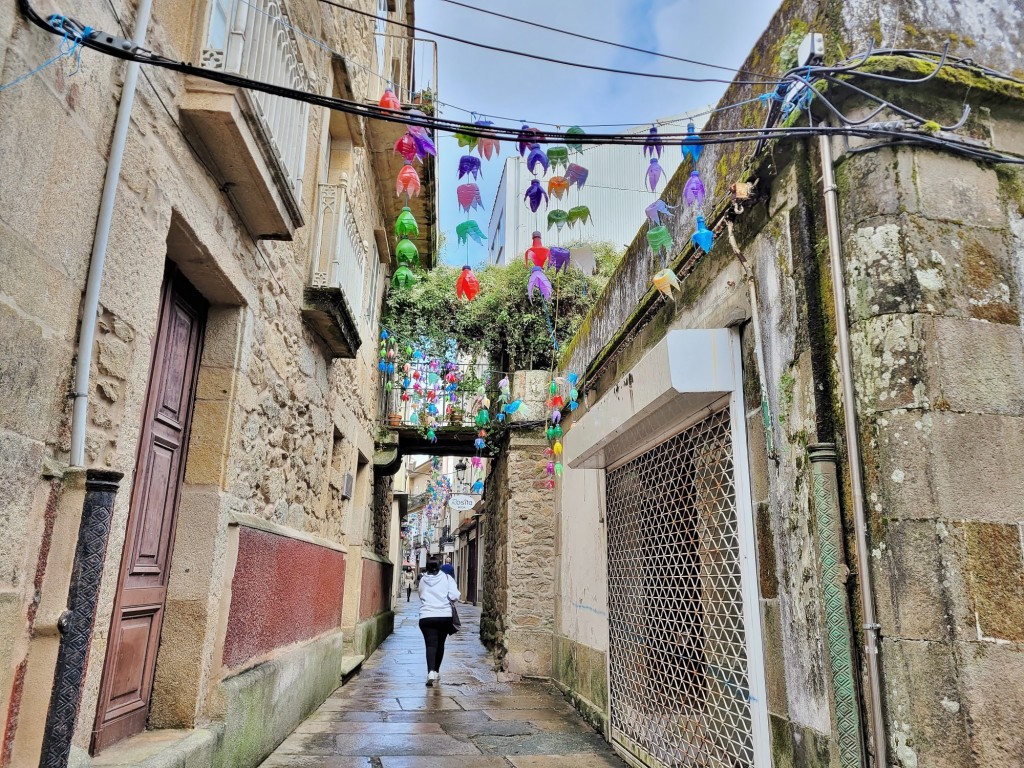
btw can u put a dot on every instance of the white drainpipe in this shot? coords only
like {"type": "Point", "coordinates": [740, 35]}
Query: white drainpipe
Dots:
{"type": "Point", "coordinates": [90, 305]}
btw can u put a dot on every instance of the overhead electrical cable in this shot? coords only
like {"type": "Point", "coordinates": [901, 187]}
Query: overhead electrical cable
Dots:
{"type": "Point", "coordinates": [547, 59]}
{"type": "Point", "coordinates": [623, 46]}
{"type": "Point", "coordinates": [124, 49]}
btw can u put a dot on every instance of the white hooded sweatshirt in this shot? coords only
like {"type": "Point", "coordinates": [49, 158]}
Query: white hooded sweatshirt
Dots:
{"type": "Point", "coordinates": [435, 592]}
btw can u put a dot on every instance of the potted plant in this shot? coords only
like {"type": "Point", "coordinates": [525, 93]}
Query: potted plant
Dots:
{"type": "Point", "coordinates": [456, 415]}
{"type": "Point", "coordinates": [394, 419]}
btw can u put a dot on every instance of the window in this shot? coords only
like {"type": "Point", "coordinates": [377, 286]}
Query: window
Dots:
{"type": "Point", "coordinates": [370, 313]}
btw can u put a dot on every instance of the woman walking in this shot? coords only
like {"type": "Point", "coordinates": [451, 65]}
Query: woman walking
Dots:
{"type": "Point", "coordinates": [437, 591]}
{"type": "Point", "coordinates": [407, 582]}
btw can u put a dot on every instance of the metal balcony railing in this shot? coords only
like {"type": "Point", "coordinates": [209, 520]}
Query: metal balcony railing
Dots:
{"type": "Point", "coordinates": [339, 255]}
{"type": "Point", "coordinates": [408, 66]}
{"type": "Point", "coordinates": [456, 410]}
{"type": "Point", "coordinates": [253, 38]}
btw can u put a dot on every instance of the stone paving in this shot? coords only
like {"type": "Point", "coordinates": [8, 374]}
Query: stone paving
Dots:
{"type": "Point", "coordinates": [385, 717]}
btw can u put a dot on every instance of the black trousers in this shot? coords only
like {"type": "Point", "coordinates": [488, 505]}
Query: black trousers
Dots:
{"type": "Point", "coordinates": [435, 632]}
{"type": "Point", "coordinates": [408, 593]}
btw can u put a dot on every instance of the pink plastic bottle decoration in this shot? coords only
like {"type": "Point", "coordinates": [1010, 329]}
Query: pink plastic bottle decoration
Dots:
{"type": "Point", "coordinates": [408, 181]}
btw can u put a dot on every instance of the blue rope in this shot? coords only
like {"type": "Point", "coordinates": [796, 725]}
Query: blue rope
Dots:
{"type": "Point", "coordinates": [551, 327]}
{"type": "Point", "coordinates": [69, 47]}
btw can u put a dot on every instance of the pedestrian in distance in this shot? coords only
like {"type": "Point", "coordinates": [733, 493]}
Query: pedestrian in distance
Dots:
{"type": "Point", "coordinates": [408, 581]}
{"type": "Point", "coordinates": [450, 570]}
{"type": "Point", "coordinates": [438, 591]}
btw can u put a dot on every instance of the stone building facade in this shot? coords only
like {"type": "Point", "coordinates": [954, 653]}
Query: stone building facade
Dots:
{"type": "Point", "coordinates": [272, 573]}
{"type": "Point", "coordinates": [726, 622]}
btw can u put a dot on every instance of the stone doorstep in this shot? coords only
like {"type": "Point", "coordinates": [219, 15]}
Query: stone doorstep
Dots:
{"type": "Point", "coordinates": [350, 664]}
{"type": "Point", "coordinates": [162, 748]}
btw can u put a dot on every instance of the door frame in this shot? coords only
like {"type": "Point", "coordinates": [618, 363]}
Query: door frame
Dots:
{"type": "Point", "coordinates": [173, 283]}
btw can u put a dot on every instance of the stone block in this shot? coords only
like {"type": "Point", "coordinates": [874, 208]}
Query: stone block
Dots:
{"type": "Point", "coordinates": [993, 696]}
{"type": "Point", "coordinates": [980, 366]}
{"type": "Point", "coordinates": [208, 445]}
{"type": "Point", "coordinates": [921, 699]}
{"type": "Point", "coordinates": [774, 669]}
{"type": "Point", "coordinates": [875, 184]}
{"type": "Point", "coordinates": [890, 366]}
{"type": "Point", "coordinates": [994, 578]}
{"type": "Point", "coordinates": [945, 465]}
{"type": "Point", "coordinates": [528, 652]}
{"type": "Point", "coordinates": [908, 571]}
{"type": "Point", "coordinates": [22, 460]}
{"type": "Point", "coordinates": [955, 189]}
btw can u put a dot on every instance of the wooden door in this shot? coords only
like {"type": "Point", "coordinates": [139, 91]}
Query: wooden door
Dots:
{"type": "Point", "coordinates": [149, 539]}
{"type": "Point", "coordinates": [471, 573]}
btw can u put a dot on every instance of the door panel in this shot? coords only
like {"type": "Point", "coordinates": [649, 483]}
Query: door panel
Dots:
{"type": "Point", "coordinates": [149, 540]}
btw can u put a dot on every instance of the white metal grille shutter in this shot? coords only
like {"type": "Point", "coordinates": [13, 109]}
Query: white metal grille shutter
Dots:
{"type": "Point", "coordinates": [678, 663]}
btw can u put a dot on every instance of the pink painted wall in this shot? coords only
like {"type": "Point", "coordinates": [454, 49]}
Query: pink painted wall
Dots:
{"type": "Point", "coordinates": [375, 596]}
{"type": "Point", "coordinates": [283, 591]}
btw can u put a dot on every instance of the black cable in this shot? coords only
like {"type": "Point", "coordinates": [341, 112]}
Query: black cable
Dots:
{"type": "Point", "coordinates": [548, 59]}
{"type": "Point", "coordinates": [566, 32]}
{"type": "Point", "coordinates": [124, 49]}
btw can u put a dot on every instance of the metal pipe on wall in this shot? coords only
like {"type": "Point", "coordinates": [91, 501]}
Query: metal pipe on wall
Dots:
{"type": "Point", "coordinates": [76, 624]}
{"type": "Point", "coordinates": [101, 236]}
{"type": "Point", "coordinates": [873, 681]}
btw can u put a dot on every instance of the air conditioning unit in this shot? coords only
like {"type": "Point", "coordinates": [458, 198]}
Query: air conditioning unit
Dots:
{"type": "Point", "coordinates": [346, 486]}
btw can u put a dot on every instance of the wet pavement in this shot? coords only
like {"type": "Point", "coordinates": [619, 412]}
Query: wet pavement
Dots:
{"type": "Point", "coordinates": [385, 717]}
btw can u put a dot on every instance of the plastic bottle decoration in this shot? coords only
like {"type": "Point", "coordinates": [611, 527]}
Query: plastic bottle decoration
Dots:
{"type": "Point", "coordinates": [527, 136]}
{"type": "Point", "coordinates": [576, 174]}
{"type": "Point", "coordinates": [653, 144]}
{"type": "Point", "coordinates": [558, 156]}
{"type": "Point", "coordinates": [534, 193]}
{"type": "Point", "coordinates": [537, 155]}
{"type": "Point", "coordinates": [424, 145]}
{"type": "Point", "coordinates": [574, 394]}
{"type": "Point", "coordinates": [479, 444]}
{"type": "Point", "coordinates": [576, 146]}
{"type": "Point", "coordinates": [389, 100]}
{"type": "Point", "coordinates": [478, 486]}
{"type": "Point", "coordinates": [692, 146]}
{"type": "Point", "coordinates": [665, 280]}
{"type": "Point", "coordinates": [660, 238]}
{"type": "Point", "coordinates": [405, 224]}
{"type": "Point", "coordinates": [556, 416]}
{"type": "Point", "coordinates": [703, 238]}
{"type": "Point", "coordinates": [558, 186]}
{"type": "Point", "coordinates": [693, 192]}
{"type": "Point", "coordinates": [469, 230]}
{"type": "Point", "coordinates": [407, 253]}
{"type": "Point", "coordinates": [403, 277]}
{"type": "Point", "coordinates": [656, 210]}
{"type": "Point", "coordinates": [469, 165]}
{"type": "Point", "coordinates": [557, 218]}
{"type": "Point", "coordinates": [465, 140]}
{"type": "Point", "coordinates": [487, 146]}
{"type": "Point", "coordinates": [538, 281]}
{"type": "Point", "coordinates": [483, 418]}
{"type": "Point", "coordinates": [559, 258]}
{"type": "Point", "coordinates": [536, 254]}
{"type": "Point", "coordinates": [431, 435]}
{"type": "Point", "coordinates": [580, 214]}
{"type": "Point", "coordinates": [469, 197]}
{"type": "Point", "coordinates": [467, 286]}
{"type": "Point", "coordinates": [408, 181]}
{"type": "Point", "coordinates": [406, 147]}
{"type": "Point", "coordinates": [654, 172]}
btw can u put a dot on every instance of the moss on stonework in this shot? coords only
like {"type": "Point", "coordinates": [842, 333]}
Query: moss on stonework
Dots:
{"type": "Point", "coordinates": [1011, 184]}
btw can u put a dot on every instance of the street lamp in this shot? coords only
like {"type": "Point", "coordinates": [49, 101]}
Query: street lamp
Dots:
{"type": "Point", "coordinates": [460, 471]}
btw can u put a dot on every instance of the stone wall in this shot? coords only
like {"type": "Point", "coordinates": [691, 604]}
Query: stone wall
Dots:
{"type": "Point", "coordinates": [275, 419]}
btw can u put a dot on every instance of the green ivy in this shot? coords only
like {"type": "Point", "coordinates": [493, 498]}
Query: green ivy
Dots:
{"type": "Point", "coordinates": [501, 324]}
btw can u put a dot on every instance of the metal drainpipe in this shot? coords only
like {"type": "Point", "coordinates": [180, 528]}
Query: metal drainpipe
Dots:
{"type": "Point", "coordinates": [77, 622]}
{"type": "Point", "coordinates": [91, 302]}
{"type": "Point", "coordinates": [873, 681]}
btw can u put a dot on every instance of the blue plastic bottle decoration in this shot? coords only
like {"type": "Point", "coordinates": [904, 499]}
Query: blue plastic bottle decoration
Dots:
{"type": "Point", "coordinates": [692, 146]}
{"type": "Point", "coordinates": [703, 238]}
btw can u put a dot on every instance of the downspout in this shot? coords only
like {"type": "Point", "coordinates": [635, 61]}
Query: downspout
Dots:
{"type": "Point", "coordinates": [91, 302]}
{"type": "Point", "coordinates": [873, 681]}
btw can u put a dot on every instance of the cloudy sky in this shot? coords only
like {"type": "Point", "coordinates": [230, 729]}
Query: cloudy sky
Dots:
{"type": "Point", "coordinates": [499, 84]}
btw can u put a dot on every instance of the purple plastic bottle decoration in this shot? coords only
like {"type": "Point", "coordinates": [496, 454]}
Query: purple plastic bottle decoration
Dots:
{"type": "Point", "coordinates": [534, 193]}
{"type": "Point", "coordinates": [703, 238]}
{"type": "Point", "coordinates": [538, 281]}
{"type": "Point", "coordinates": [424, 146]}
{"type": "Point", "coordinates": [656, 210]}
{"type": "Point", "coordinates": [536, 155]}
{"type": "Point", "coordinates": [692, 146]}
{"type": "Point", "coordinates": [654, 171]}
{"type": "Point", "coordinates": [559, 258]}
{"type": "Point", "coordinates": [693, 192]}
{"type": "Point", "coordinates": [469, 165]}
{"type": "Point", "coordinates": [653, 144]}
{"type": "Point", "coordinates": [576, 174]}
{"type": "Point", "coordinates": [550, 468]}
{"type": "Point", "coordinates": [527, 136]}
{"type": "Point", "coordinates": [556, 416]}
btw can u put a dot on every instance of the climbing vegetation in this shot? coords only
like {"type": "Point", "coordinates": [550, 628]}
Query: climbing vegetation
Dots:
{"type": "Point", "coordinates": [500, 323]}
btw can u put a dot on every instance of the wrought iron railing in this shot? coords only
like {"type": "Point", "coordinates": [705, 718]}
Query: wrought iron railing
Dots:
{"type": "Point", "coordinates": [339, 255]}
{"type": "Point", "coordinates": [403, 407]}
{"type": "Point", "coordinates": [408, 67]}
{"type": "Point", "coordinates": [253, 38]}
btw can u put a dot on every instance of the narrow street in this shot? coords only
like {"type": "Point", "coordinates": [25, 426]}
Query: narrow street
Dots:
{"type": "Point", "coordinates": [387, 717]}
